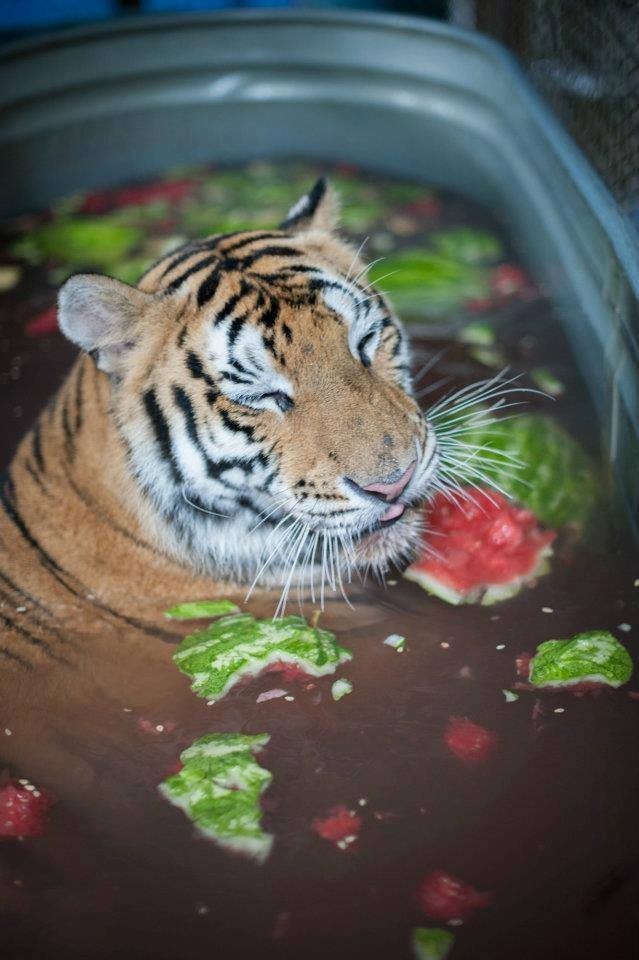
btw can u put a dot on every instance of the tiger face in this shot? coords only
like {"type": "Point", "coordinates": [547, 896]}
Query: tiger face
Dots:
{"type": "Point", "coordinates": [262, 393]}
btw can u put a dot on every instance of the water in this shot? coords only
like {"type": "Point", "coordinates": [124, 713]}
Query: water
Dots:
{"type": "Point", "coordinates": [548, 824]}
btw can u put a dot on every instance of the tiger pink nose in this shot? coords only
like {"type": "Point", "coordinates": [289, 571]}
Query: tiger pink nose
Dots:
{"type": "Point", "coordinates": [391, 491]}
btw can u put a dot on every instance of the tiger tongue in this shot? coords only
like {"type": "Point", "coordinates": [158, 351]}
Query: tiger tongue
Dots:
{"type": "Point", "coordinates": [394, 511]}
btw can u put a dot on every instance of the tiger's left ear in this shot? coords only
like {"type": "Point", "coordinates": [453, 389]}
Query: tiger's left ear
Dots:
{"type": "Point", "coordinates": [316, 210]}
{"type": "Point", "coordinates": [102, 316]}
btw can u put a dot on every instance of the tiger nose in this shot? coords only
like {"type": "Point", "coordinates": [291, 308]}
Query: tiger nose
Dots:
{"type": "Point", "coordinates": [391, 491]}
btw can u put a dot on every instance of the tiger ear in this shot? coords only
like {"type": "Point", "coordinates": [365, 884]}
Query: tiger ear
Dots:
{"type": "Point", "coordinates": [316, 210]}
{"type": "Point", "coordinates": [102, 316]}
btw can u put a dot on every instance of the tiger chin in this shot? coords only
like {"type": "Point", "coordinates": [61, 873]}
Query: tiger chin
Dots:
{"type": "Point", "coordinates": [243, 414]}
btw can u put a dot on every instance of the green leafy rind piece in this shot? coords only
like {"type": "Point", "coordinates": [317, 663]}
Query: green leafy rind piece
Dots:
{"type": "Point", "coordinates": [486, 595]}
{"type": "Point", "coordinates": [491, 357]}
{"type": "Point", "coordinates": [557, 481]}
{"type": "Point", "coordinates": [593, 657]}
{"type": "Point", "coordinates": [196, 609]}
{"type": "Point", "coordinates": [431, 943]}
{"type": "Point", "coordinates": [427, 284]}
{"type": "Point", "coordinates": [547, 381]}
{"type": "Point", "coordinates": [477, 334]}
{"type": "Point", "coordinates": [240, 646]}
{"type": "Point", "coordinates": [84, 242]}
{"type": "Point", "coordinates": [469, 246]}
{"type": "Point", "coordinates": [219, 788]}
{"type": "Point", "coordinates": [341, 688]}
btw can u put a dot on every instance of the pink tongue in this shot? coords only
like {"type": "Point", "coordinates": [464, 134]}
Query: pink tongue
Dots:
{"type": "Point", "coordinates": [395, 510]}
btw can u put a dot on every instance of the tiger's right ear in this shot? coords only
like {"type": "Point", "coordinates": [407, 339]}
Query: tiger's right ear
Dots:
{"type": "Point", "coordinates": [316, 210]}
{"type": "Point", "coordinates": [102, 316]}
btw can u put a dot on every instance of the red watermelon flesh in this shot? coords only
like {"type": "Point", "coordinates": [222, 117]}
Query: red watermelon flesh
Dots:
{"type": "Point", "coordinates": [23, 809]}
{"type": "Point", "coordinates": [444, 897]}
{"type": "Point", "coordinates": [485, 549]}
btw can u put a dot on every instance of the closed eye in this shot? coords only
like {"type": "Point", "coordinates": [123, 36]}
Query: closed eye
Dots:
{"type": "Point", "coordinates": [266, 401]}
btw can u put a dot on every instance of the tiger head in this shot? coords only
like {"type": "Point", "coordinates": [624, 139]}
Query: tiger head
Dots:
{"type": "Point", "coordinates": [262, 391]}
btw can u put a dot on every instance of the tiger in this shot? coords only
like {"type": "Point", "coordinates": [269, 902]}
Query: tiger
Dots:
{"type": "Point", "coordinates": [243, 416]}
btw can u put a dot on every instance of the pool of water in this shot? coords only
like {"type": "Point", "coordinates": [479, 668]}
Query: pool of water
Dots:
{"type": "Point", "coordinates": [547, 824]}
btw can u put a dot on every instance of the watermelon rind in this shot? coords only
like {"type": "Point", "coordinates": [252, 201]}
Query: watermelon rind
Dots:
{"type": "Point", "coordinates": [484, 594]}
{"type": "Point", "coordinates": [592, 657]}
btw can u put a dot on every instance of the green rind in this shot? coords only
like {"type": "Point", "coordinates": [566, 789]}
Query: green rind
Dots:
{"type": "Point", "coordinates": [431, 943]}
{"type": "Point", "coordinates": [592, 657]}
{"type": "Point", "coordinates": [425, 283]}
{"type": "Point", "coordinates": [198, 609]}
{"type": "Point", "coordinates": [219, 789]}
{"type": "Point", "coordinates": [234, 647]}
{"type": "Point", "coordinates": [84, 242]}
{"type": "Point", "coordinates": [469, 246]}
{"type": "Point", "coordinates": [341, 688]}
{"type": "Point", "coordinates": [486, 595]}
{"type": "Point", "coordinates": [557, 480]}
{"type": "Point", "coordinates": [479, 333]}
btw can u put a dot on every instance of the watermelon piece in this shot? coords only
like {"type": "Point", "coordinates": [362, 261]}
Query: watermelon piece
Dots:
{"type": "Point", "coordinates": [219, 788]}
{"type": "Point", "coordinates": [595, 657]}
{"type": "Point", "coordinates": [171, 191]}
{"type": "Point", "coordinates": [198, 609]}
{"type": "Point", "coordinates": [486, 550]}
{"type": "Point", "coordinates": [23, 809]}
{"type": "Point", "coordinates": [468, 741]}
{"type": "Point", "coordinates": [468, 245]}
{"type": "Point", "coordinates": [239, 647]}
{"type": "Point", "coordinates": [444, 897]}
{"type": "Point", "coordinates": [43, 324]}
{"type": "Point", "coordinates": [556, 479]}
{"type": "Point", "coordinates": [431, 943]}
{"type": "Point", "coordinates": [340, 826]}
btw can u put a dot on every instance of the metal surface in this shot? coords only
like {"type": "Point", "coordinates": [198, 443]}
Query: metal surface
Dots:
{"type": "Point", "coordinates": [95, 106]}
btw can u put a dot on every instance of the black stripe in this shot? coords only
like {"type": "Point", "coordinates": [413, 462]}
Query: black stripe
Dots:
{"type": "Point", "coordinates": [213, 467]}
{"type": "Point", "coordinates": [197, 370]}
{"type": "Point", "coordinates": [22, 627]}
{"type": "Point", "coordinates": [235, 426]}
{"type": "Point", "coordinates": [288, 333]}
{"type": "Point", "coordinates": [234, 332]}
{"type": "Point", "coordinates": [32, 639]}
{"type": "Point", "coordinates": [273, 251]}
{"type": "Point", "coordinates": [69, 443]}
{"type": "Point", "coordinates": [231, 304]}
{"type": "Point", "coordinates": [162, 433]}
{"type": "Point", "coordinates": [95, 507]}
{"type": "Point", "coordinates": [10, 655]}
{"type": "Point", "coordinates": [58, 572]}
{"type": "Point", "coordinates": [184, 253]}
{"type": "Point", "coordinates": [208, 288]}
{"type": "Point", "coordinates": [269, 344]}
{"type": "Point", "coordinates": [194, 268]}
{"type": "Point", "coordinates": [240, 367]}
{"type": "Point", "coordinates": [185, 405]}
{"type": "Point", "coordinates": [23, 595]}
{"type": "Point", "coordinates": [36, 442]}
{"type": "Point", "coordinates": [79, 397]}
{"type": "Point", "coordinates": [251, 238]}
{"type": "Point", "coordinates": [7, 498]}
{"type": "Point", "coordinates": [270, 315]}
{"type": "Point", "coordinates": [285, 272]}
{"type": "Point", "coordinates": [35, 476]}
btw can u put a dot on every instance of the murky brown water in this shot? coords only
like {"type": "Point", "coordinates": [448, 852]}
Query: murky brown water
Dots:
{"type": "Point", "coordinates": [549, 823]}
